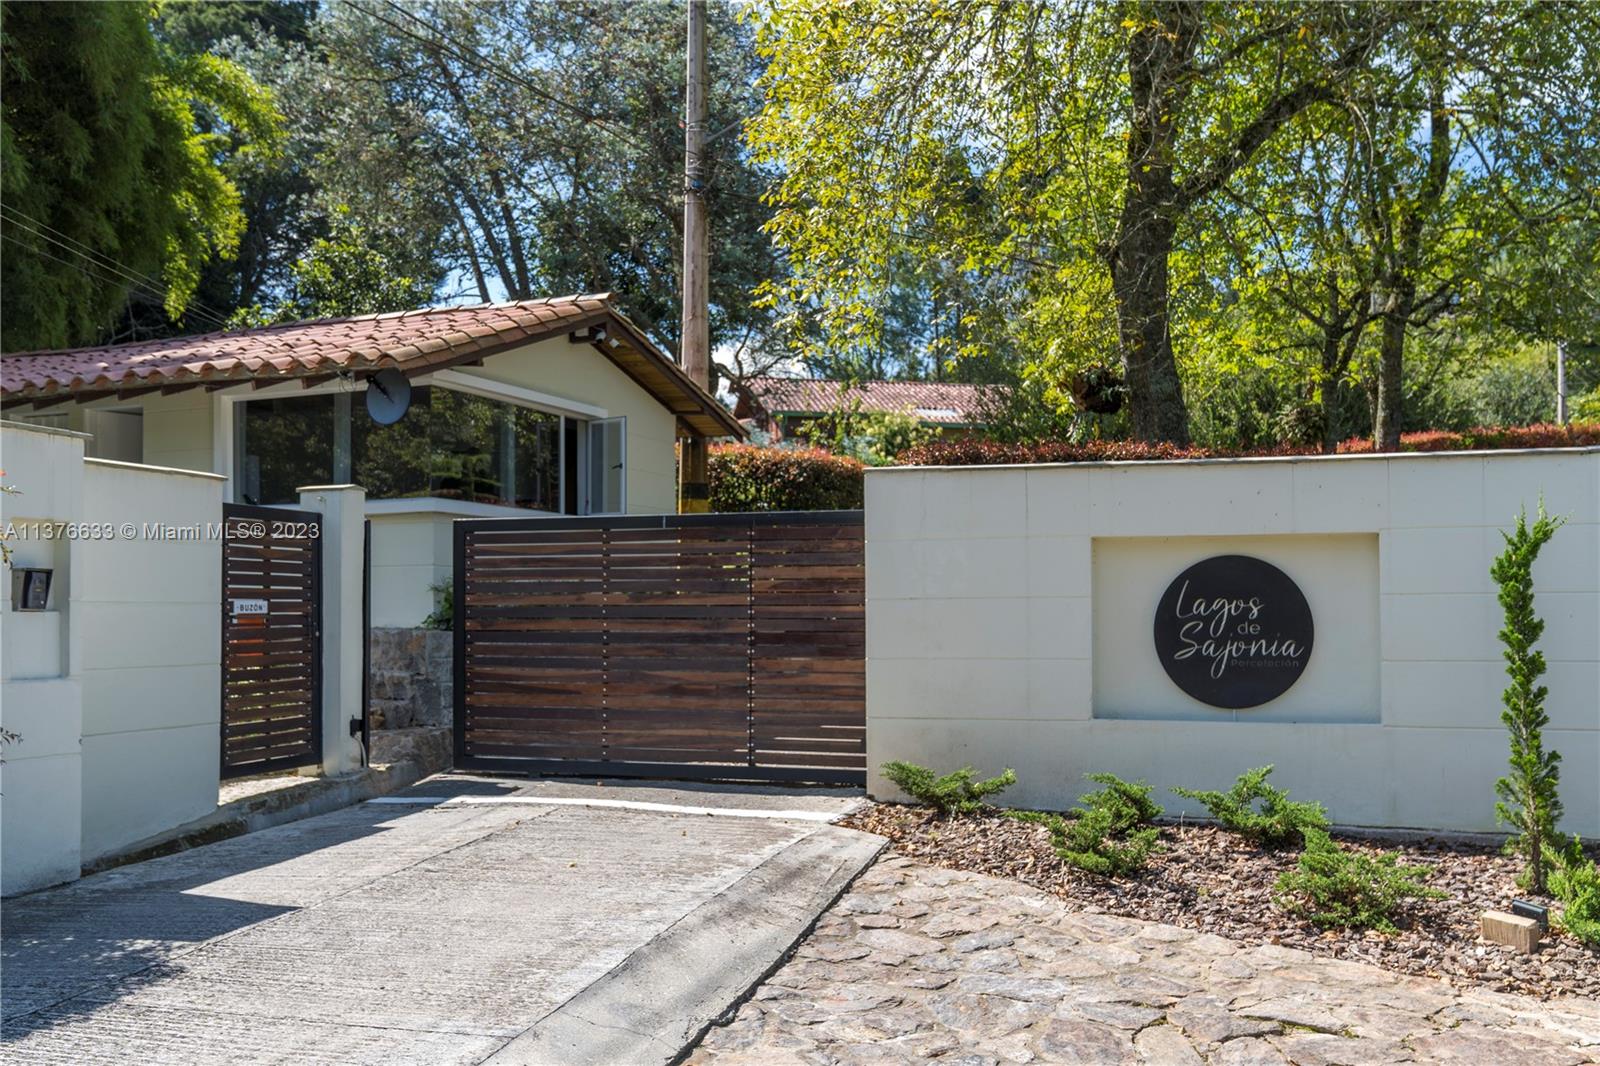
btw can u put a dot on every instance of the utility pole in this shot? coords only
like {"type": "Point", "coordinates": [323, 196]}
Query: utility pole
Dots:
{"type": "Point", "coordinates": [1561, 382]}
{"type": "Point", "coordinates": [694, 493]}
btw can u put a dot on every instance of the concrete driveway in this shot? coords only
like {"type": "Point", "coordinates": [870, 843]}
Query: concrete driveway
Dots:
{"type": "Point", "coordinates": [517, 925]}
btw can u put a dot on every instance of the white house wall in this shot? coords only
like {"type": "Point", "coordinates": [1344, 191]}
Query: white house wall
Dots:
{"type": "Point", "coordinates": [576, 371]}
{"type": "Point", "coordinates": [178, 430]}
{"type": "Point", "coordinates": [410, 553]}
{"type": "Point", "coordinates": [147, 648]}
{"type": "Point", "coordinates": [986, 644]}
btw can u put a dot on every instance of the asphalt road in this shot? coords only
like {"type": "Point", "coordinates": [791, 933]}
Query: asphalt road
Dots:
{"type": "Point", "coordinates": [503, 928]}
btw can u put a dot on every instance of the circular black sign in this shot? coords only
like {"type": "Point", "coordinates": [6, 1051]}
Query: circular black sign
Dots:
{"type": "Point", "coordinates": [1233, 631]}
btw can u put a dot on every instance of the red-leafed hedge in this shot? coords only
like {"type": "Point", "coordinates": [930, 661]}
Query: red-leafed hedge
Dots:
{"type": "Point", "coordinates": [977, 452]}
{"type": "Point", "coordinates": [747, 478]}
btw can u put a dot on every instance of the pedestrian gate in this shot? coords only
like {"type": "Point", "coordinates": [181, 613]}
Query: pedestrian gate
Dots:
{"type": "Point", "coordinates": [707, 646]}
{"type": "Point", "coordinates": [271, 639]}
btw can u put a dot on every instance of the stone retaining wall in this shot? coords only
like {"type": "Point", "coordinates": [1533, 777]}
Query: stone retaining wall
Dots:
{"type": "Point", "coordinates": [410, 679]}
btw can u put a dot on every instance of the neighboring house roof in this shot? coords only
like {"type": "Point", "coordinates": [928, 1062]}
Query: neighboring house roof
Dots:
{"type": "Point", "coordinates": [937, 402]}
{"type": "Point", "coordinates": [414, 341]}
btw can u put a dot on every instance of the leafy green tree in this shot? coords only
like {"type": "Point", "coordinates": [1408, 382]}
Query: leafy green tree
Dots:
{"type": "Point", "coordinates": [1528, 799]}
{"type": "Point", "coordinates": [109, 147]}
{"type": "Point", "coordinates": [341, 274]}
{"type": "Point", "coordinates": [1059, 146]}
{"type": "Point", "coordinates": [534, 149]}
{"type": "Point", "coordinates": [271, 40]}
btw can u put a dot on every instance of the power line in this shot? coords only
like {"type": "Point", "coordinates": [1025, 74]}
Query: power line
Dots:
{"type": "Point", "coordinates": [118, 272]}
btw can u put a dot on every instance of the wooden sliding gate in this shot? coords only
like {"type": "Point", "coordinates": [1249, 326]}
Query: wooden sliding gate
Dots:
{"type": "Point", "coordinates": [707, 646]}
{"type": "Point", "coordinates": [271, 639]}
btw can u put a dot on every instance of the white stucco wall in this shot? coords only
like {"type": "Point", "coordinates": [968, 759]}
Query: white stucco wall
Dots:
{"type": "Point", "coordinates": [40, 700]}
{"type": "Point", "coordinates": [178, 429]}
{"type": "Point", "coordinates": [410, 553]}
{"type": "Point", "coordinates": [146, 644]}
{"type": "Point", "coordinates": [1010, 612]}
{"type": "Point", "coordinates": [115, 690]}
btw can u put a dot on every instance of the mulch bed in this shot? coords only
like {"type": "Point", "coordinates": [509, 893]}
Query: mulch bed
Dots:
{"type": "Point", "coordinates": [1217, 882]}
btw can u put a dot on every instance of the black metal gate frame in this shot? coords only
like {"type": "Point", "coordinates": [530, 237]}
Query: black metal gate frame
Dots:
{"type": "Point", "coordinates": [292, 762]}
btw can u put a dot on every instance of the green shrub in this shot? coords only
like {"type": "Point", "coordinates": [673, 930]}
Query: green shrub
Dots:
{"type": "Point", "coordinates": [1092, 842]}
{"type": "Point", "coordinates": [443, 615]}
{"type": "Point", "coordinates": [1340, 889]}
{"type": "Point", "coordinates": [1528, 796]}
{"type": "Point", "coordinates": [1111, 834]}
{"type": "Point", "coordinates": [744, 477]}
{"type": "Point", "coordinates": [986, 450]}
{"type": "Point", "coordinates": [1280, 820]}
{"type": "Point", "coordinates": [1575, 881]}
{"type": "Point", "coordinates": [954, 793]}
{"type": "Point", "coordinates": [1129, 802]}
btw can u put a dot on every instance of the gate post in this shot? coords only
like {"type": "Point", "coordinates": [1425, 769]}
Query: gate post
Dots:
{"type": "Point", "coordinates": [343, 510]}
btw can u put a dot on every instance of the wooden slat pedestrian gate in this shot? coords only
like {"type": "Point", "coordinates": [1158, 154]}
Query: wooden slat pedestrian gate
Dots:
{"type": "Point", "coordinates": [708, 646]}
{"type": "Point", "coordinates": [271, 639]}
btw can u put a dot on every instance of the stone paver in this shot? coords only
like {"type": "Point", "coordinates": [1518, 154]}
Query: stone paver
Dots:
{"type": "Point", "coordinates": [919, 963]}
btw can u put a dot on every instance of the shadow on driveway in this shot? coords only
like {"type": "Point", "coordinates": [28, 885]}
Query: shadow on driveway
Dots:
{"type": "Point", "coordinates": [126, 926]}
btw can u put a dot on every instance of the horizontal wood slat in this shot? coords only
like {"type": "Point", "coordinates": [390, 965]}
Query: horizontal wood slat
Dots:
{"type": "Point", "coordinates": [271, 664]}
{"type": "Point", "coordinates": [725, 645]}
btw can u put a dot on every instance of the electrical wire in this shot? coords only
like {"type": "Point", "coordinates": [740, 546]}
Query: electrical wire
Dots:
{"type": "Point", "coordinates": [113, 270]}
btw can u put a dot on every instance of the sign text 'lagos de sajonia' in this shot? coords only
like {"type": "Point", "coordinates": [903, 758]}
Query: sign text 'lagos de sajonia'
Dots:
{"type": "Point", "coordinates": [1233, 631]}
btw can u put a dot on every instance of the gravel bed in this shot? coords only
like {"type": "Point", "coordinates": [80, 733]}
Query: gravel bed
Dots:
{"type": "Point", "coordinates": [1214, 881]}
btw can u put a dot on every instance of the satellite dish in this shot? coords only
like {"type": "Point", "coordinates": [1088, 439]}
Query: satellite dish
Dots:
{"type": "Point", "coordinates": [388, 396]}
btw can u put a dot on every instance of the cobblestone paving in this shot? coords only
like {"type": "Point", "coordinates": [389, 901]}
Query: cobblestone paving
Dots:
{"type": "Point", "coordinates": [919, 963]}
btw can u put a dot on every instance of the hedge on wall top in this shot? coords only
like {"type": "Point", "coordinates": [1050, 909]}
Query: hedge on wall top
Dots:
{"type": "Point", "coordinates": [749, 478]}
{"type": "Point", "coordinates": [977, 452]}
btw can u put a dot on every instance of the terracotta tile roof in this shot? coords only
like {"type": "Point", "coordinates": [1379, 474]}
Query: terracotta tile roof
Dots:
{"type": "Point", "coordinates": [415, 341]}
{"type": "Point", "coordinates": [931, 401]}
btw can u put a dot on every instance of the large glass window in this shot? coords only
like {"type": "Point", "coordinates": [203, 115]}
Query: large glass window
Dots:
{"type": "Point", "coordinates": [288, 443]}
{"type": "Point", "coordinates": [452, 445]}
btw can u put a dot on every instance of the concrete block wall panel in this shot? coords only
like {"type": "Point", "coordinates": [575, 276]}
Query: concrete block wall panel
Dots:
{"type": "Point", "coordinates": [987, 644]}
{"type": "Point", "coordinates": [40, 785]}
{"type": "Point", "coordinates": [146, 644]}
{"type": "Point", "coordinates": [40, 700]}
{"type": "Point", "coordinates": [410, 553]}
{"type": "Point", "coordinates": [178, 430]}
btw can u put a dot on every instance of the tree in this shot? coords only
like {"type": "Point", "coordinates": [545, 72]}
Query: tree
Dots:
{"type": "Point", "coordinates": [1528, 795]}
{"type": "Point", "coordinates": [536, 149]}
{"type": "Point", "coordinates": [340, 275]}
{"type": "Point", "coordinates": [1484, 138]}
{"type": "Point", "coordinates": [1299, 268]}
{"type": "Point", "coordinates": [1064, 147]}
{"type": "Point", "coordinates": [109, 143]}
{"type": "Point", "coordinates": [271, 40]}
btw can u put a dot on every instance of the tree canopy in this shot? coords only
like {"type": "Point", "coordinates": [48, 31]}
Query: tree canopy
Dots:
{"type": "Point", "coordinates": [109, 141]}
{"type": "Point", "coordinates": [1148, 184]}
{"type": "Point", "coordinates": [1233, 223]}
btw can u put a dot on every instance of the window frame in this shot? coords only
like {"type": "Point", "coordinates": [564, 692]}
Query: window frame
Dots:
{"type": "Point", "coordinates": [230, 446]}
{"type": "Point", "coordinates": [586, 463]}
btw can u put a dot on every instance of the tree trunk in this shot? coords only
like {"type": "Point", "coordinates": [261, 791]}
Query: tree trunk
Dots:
{"type": "Point", "coordinates": [1160, 57]}
{"type": "Point", "coordinates": [1139, 281]}
{"type": "Point", "coordinates": [1329, 387]}
{"type": "Point", "coordinates": [1401, 283]}
{"type": "Point", "coordinates": [1397, 309]}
